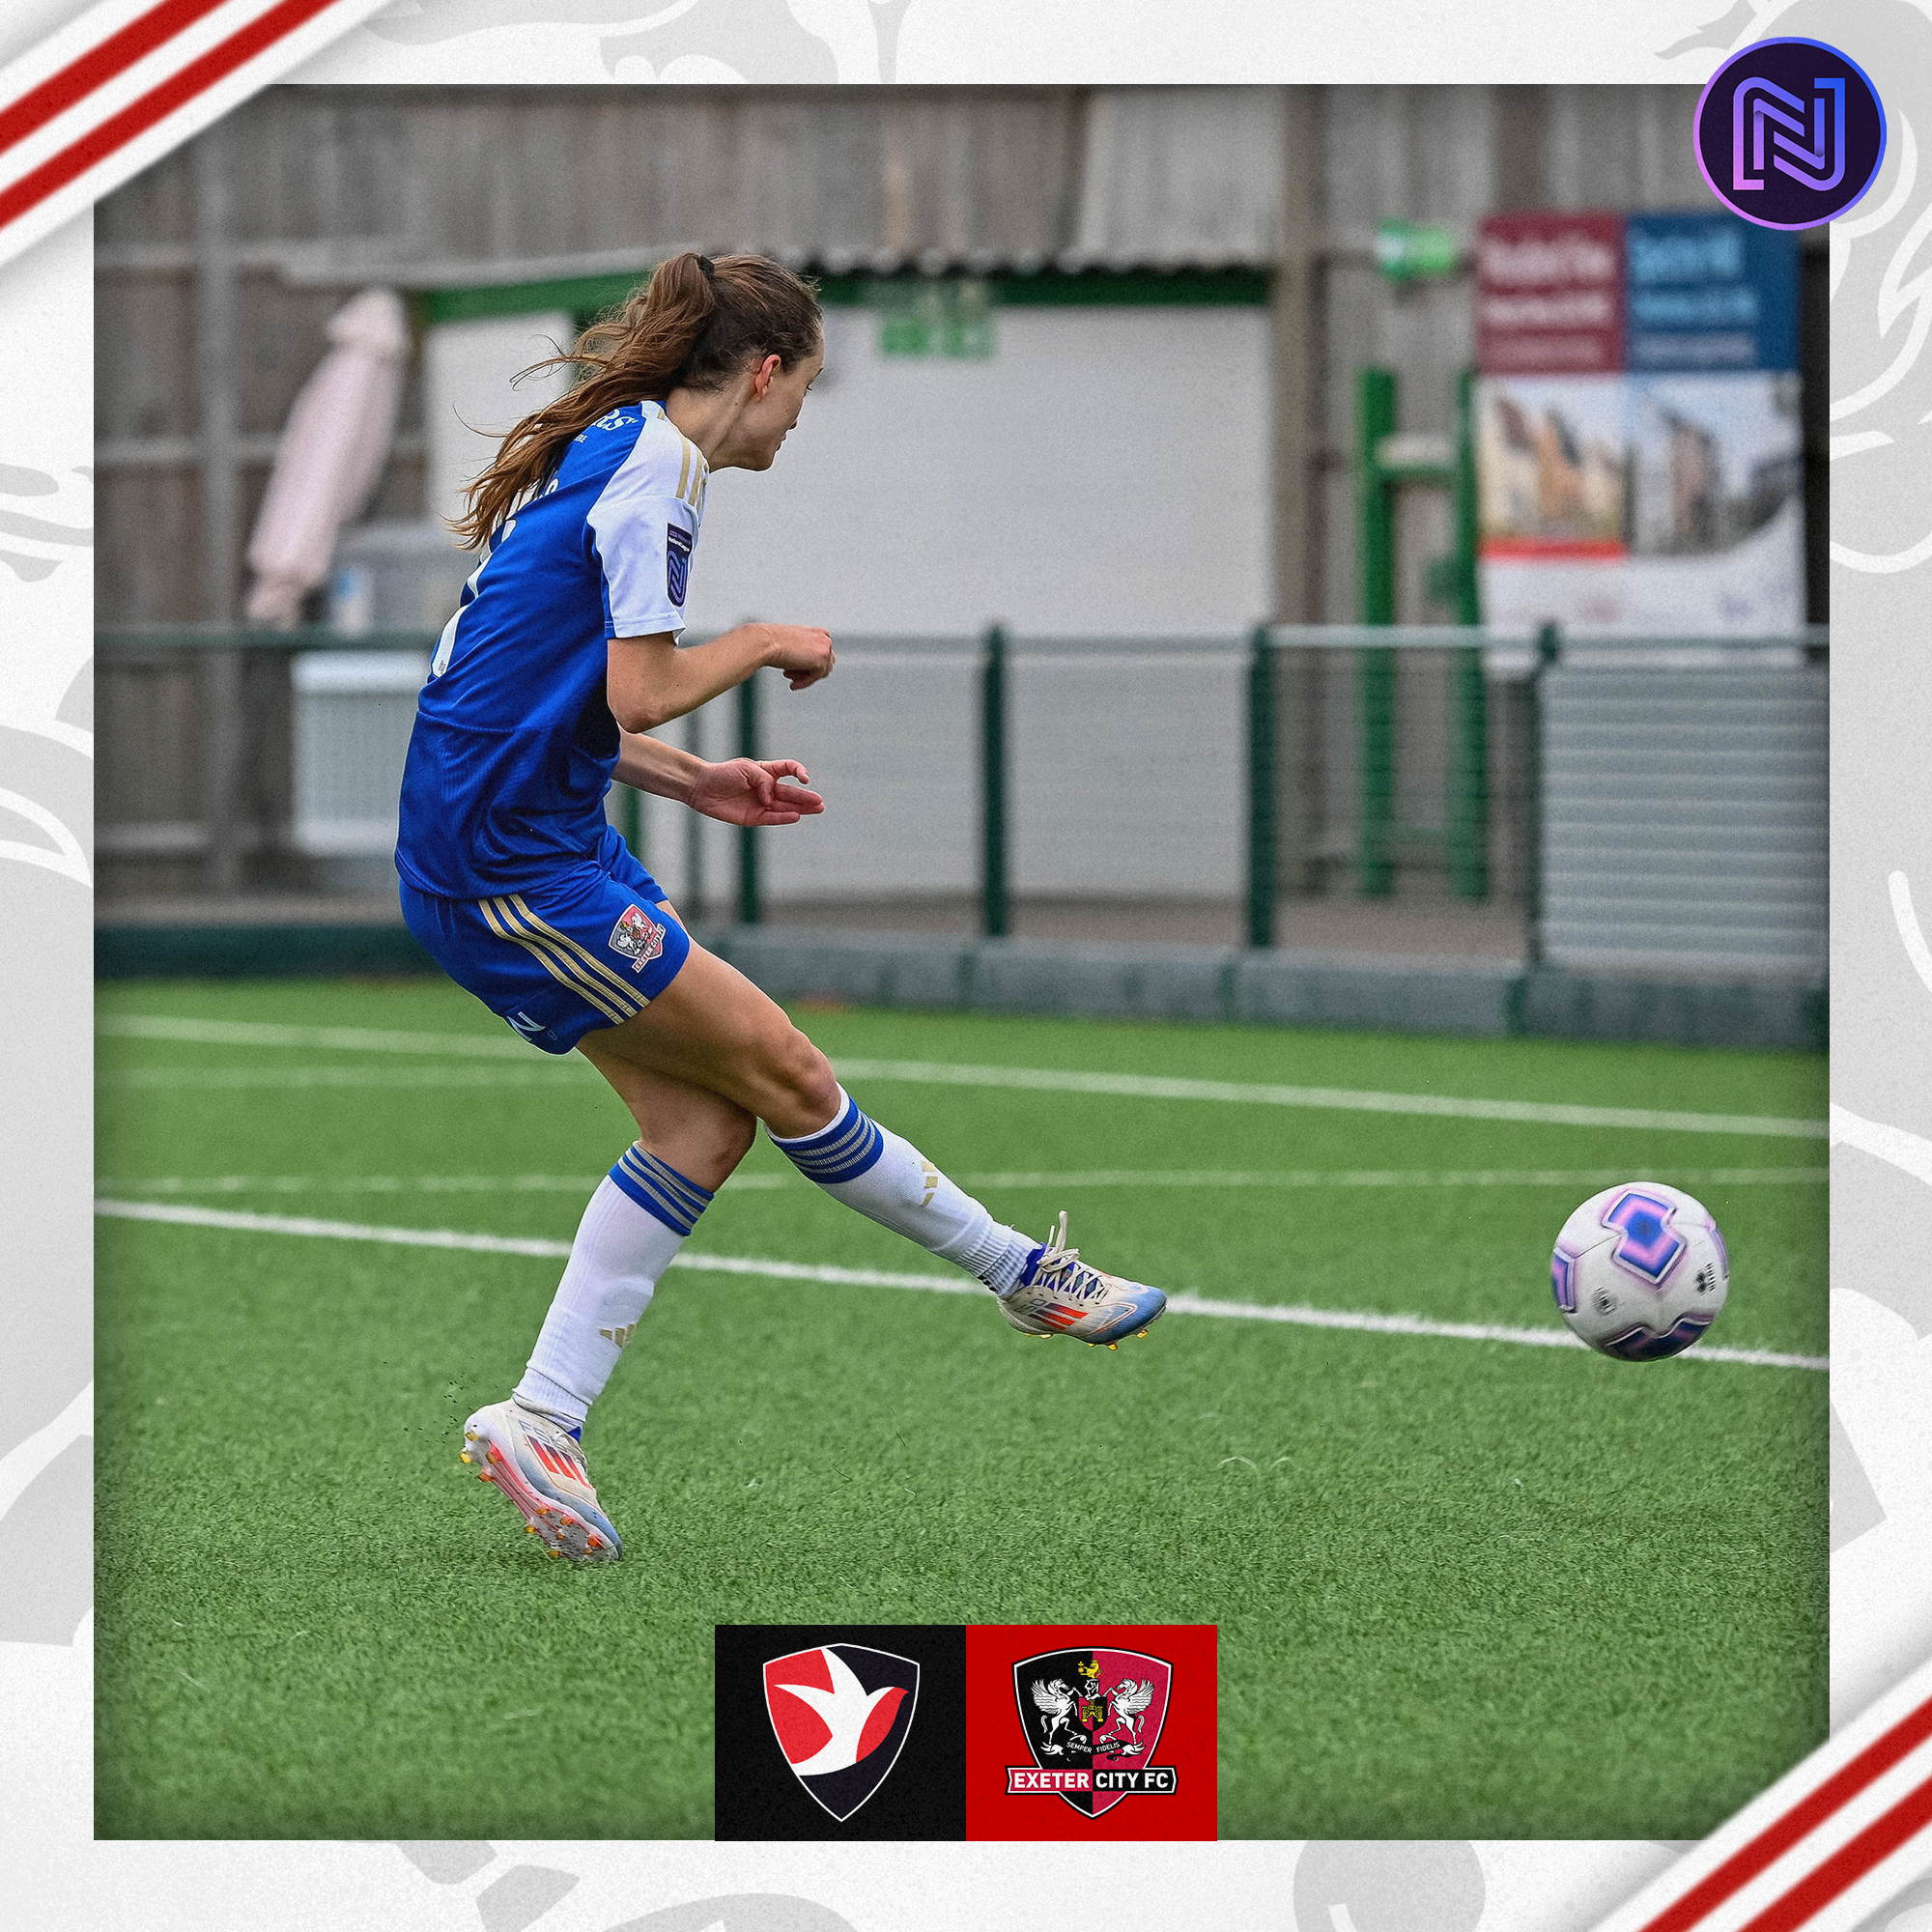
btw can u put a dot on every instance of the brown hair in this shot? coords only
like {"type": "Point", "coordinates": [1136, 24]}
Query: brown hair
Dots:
{"type": "Point", "coordinates": [694, 324]}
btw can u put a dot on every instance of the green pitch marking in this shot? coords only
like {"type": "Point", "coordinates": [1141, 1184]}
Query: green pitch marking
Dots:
{"type": "Point", "coordinates": [1466, 1589]}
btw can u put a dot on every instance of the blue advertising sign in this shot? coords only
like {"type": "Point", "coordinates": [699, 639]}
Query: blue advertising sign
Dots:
{"type": "Point", "coordinates": [1708, 292]}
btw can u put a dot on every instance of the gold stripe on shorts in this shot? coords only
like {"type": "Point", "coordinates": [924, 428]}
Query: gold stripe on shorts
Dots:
{"type": "Point", "coordinates": [556, 963]}
{"type": "Point", "coordinates": [627, 988]}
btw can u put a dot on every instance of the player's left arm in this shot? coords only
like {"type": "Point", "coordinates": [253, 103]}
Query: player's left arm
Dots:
{"type": "Point", "coordinates": [740, 791]}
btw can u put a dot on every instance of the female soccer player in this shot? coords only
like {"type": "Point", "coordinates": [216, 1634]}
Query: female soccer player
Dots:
{"type": "Point", "coordinates": [560, 660]}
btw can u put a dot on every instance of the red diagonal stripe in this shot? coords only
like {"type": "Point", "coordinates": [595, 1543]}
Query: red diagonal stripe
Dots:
{"type": "Point", "coordinates": [155, 105]}
{"type": "Point", "coordinates": [1800, 1822]}
{"type": "Point", "coordinates": [97, 66]}
{"type": "Point", "coordinates": [1848, 1863]}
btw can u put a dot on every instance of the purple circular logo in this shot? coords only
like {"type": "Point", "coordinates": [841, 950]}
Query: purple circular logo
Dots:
{"type": "Point", "coordinates": [1790, 134]}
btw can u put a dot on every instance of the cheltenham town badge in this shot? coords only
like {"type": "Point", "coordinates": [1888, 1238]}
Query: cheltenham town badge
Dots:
{"type": "Point", "coordinates": [841, 1715]}
{"type": "Point", "coordinates": [1091, 1719]}
{"type": "Point", "coordinates": [638, 937]}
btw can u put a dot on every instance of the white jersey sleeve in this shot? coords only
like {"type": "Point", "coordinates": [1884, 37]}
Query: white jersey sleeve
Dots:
{"type": "Point", "coordinates": [644, 523]}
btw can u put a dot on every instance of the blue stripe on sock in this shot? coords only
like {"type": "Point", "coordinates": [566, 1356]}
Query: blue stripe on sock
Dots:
{"type": "Point", "coordinates": [665, 1182]}
{"type": "Point", "coordinates": [661, 1190]}
{"type": "Point", "coordinates": [842, 1152]}
{"type": "Point", "coordinates": [689, 1195]}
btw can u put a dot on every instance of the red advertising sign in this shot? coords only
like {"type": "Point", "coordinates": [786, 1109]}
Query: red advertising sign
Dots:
{"type": "Point", "coordinates": [1549, 294]}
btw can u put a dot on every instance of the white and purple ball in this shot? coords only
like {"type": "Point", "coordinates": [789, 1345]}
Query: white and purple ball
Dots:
{"type": "Point", "coordinates": [1641, 1270]}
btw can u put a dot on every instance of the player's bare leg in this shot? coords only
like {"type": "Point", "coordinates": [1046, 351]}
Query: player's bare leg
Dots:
{"type": "Point", "coordinates": [712, 1029]}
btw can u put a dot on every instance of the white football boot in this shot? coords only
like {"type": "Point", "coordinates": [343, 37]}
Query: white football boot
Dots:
{"type": "Point", "coordinates": [1061, 1294]}
{"type": "Point", "coordinates": [538, 1464]}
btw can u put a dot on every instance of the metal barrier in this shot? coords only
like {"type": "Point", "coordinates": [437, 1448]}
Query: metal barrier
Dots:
{"type": "Point", "coordinates": [1650, 800]}
{"type": "Point", "coordinates": [1683, 815]}
{"type": "Point", "coordinates": [1279, 703]}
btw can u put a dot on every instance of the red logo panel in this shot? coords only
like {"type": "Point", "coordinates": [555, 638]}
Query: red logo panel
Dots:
{"type": "Point", "coordinates": [1091, 1731]}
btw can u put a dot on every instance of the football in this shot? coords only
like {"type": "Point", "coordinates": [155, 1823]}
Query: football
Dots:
{"type": "Point", "coordinates": [1641, 1270]}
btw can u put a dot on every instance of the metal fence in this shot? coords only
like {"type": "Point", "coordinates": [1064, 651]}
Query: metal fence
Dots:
{"type": "Point", "coordinates": [1646, 801]}
{"type": "Point", "coordinates": [1684, 808]}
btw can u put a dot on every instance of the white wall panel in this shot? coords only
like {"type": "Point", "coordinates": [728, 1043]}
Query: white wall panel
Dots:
{"type": "Point", "coordinates": [1106, 469]}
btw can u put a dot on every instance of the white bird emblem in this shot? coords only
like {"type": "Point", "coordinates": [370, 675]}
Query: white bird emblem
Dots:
{"type": "Point", "coordinates": [844, 1710]}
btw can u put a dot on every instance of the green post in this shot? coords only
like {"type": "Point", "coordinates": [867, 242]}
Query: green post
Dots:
{"type": "Point", "coordinates": [1374, 503]}
{"type": "Point", "coordinates": [1462, 503]}
{"type": "Point", "coordinates": [749, 909]}
{"type": "Point", "coordinates": [995, 915]}
{"type": "Point", "coordinates": [692, 899]}
{"type": "Point", "coordinates": [1468, 801]}
{"type": "Point", "coordinates": [1262, 765]}
{"type": "Point", "coordinates": [1548, 649]}
{"type": "Point", "coordinates": [631, 820]}
{"type": "Point", "coordinates": [1374, 604]}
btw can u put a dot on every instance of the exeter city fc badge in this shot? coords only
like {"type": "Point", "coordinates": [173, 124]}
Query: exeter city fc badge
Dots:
{"type": "Point", "coordinates": [638, 937]}
{"type": "Point", "coordinates": [842, 1714]}
{"type": "Point", "coordinates": [1091, 1719]}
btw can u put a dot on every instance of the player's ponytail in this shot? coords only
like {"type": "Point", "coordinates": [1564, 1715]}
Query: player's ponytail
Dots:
{"type": "Point", "coordinates": [695, 323]}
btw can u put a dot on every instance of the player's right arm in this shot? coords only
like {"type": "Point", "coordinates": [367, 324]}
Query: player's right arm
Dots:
{"type": "Point", "coordinates": [650, 681]}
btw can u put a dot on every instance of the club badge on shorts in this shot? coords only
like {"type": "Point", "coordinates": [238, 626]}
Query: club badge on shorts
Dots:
{"type": "Point", "coordinates": [638, 937]}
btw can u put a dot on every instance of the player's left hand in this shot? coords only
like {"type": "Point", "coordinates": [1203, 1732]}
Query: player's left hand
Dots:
{"type": "Point", "coordinates": [742, 791]}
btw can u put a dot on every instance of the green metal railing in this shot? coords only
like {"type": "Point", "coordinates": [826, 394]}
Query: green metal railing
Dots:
{"type": "Point", "coordinates": [750, 911]}
{"type": "Point", "coordinates": [1374, 604]}
{"type": "Point", "coordinates": [1375, 648]}
{"type": "Point", "coordinates": [995, 857]}
{"type": "Point", "coordinates": [995, 869]}
{"type": "Point", "coordinates": [1264, 791]}
{"type": "Point", "coordinates": [1548, 651]}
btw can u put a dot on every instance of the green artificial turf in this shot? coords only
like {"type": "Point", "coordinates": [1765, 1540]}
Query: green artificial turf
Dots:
{"type": "Point", "coordinates": [1466, 1589]}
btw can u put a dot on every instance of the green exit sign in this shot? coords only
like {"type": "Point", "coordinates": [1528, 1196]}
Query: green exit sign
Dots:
{"type": "Point", "coordinates": [1410, 251]}
{"type": "Point", "coordinates": [937, 316]}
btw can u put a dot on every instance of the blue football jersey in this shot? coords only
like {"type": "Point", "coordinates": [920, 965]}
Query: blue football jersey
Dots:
{"type": "Point", "coordinates": [514, 741]}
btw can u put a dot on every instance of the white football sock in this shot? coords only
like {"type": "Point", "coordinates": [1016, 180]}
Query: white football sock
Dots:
{"type": "Point", "coordinates": [634, 1224]}
{"type": "Point", "coordinates": [888, 1180]}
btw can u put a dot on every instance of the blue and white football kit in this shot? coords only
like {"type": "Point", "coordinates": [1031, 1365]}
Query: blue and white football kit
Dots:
{"type": "Point", "coordinates": [515, 882]}
{"type": "Point", "coordinates": [513, 879]}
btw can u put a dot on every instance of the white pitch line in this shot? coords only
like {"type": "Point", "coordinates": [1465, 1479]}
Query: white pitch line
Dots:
{"type": "Point", "coordinates": [932, 1283]}
{"type": "Point", "coordinates": [921, 1072]}
{"type": "Point", "coordinates": [578, 1184]}
{"type": "Point", "coordinates": [1348, 1099]}
{"type": "Point", "coordinates": [1106, 1177]}
{"type": "Point", "coordinates": [292, 1079]}
{"type": "Point", "coordinates": [344, 1040]}
{"type": "Point", "coordinates": [1318, 1177]}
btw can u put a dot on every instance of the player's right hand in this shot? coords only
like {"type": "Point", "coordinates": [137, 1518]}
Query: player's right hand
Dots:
{"type": "Point", "coordinates": [803, 653]}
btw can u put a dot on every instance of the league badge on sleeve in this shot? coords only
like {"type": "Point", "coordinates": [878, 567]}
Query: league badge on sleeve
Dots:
{"type": "Point", "coordinates": [638, 937]}
{"type": "Point", "coordinates": [677, 561]}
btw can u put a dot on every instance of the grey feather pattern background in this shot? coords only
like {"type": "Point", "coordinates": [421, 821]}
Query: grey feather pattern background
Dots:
{"type": "Point", "coordinates": [46, 835]}
{"type": "Point", "coordinates": [1883, 497]}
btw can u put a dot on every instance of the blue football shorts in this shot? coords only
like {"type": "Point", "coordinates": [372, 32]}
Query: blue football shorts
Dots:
{"type": "Point", "coordinates": [588, 948]}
